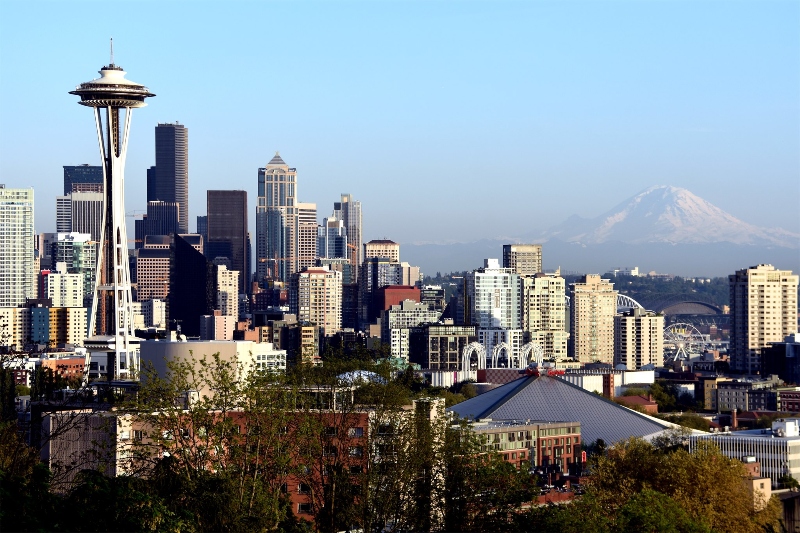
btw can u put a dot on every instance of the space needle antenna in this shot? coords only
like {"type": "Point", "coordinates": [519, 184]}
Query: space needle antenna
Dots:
{"type": "Point", "coordinates": [112, 50]}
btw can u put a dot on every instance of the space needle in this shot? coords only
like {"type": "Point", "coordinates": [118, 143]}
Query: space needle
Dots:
{"type": "Point", "coordinates": [110, 318]}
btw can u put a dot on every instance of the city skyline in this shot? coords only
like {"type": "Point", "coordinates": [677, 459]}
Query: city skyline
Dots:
{"type": "Point", "coordinates": [619, 94]}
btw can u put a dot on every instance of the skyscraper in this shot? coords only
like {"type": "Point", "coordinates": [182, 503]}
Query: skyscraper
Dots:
{"type": "Point", "coordinates": [162, 218]}
{"type": "Point", "coordinates": [227, 232]}
{"type": "Point", "coordinates": [192, 287]}
{"type": "Point", "coordinates": [276, 221]}
{"type": "Point", "coordinates": [332, 240]}
{"type": "Point", "coordinates": [17, 275]}
{"type": "Point", "coordinates": [349, 211]}
{"type": "Point", "coordinates": [524, 259]}
{"type": "Point", "coordinates": [593, 306]}
{"type": "Point", "coordinates": [81, 174]}
{"type": "Point", "coordinates": [306, 235]}
{"type": "Point", "coordinates": [79, 253]}
{"type": "Point", "coordinates": [171, 177]}
{"type": "Point", "coordinates": [86, 212]}
{"type": "Point", "coordinates": [763, 310]}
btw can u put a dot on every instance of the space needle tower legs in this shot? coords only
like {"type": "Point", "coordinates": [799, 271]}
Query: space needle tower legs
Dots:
{"type": "Point", "coordinates": [110, 321]}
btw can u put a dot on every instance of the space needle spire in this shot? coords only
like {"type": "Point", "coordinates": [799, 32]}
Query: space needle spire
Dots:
{"type": "Point", "coordinates": [111, 322]}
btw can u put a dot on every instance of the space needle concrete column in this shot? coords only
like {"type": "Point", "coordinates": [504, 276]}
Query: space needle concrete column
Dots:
{"type": "Point", "coordinates": [110, 318]}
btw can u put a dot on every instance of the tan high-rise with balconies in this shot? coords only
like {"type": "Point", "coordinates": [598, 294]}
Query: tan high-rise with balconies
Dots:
{"type": "Point", "coordinates": [593, 305]}
{"type": "Point", "coordinates": [763, 304]}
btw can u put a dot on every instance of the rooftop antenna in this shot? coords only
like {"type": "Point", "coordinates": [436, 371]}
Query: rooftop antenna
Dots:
{"type": "Point", "coordinates": [112, 50]}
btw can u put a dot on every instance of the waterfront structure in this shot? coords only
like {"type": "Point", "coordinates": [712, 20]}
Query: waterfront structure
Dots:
{"type": "Point", "coordinates": [398, 320]}
{"type": "Point", "coordinates": [349, 211]}
{"type": "Point", "coordinates": [593, 304]}
{"type": "Point", "coordinates": [763, 304]}
{"type": "Point", "coordinates": [110, 318]}
{"type": "Point", "coordinates": [544, 313]}
{"type": "Point", "coordinates": [306, 235]}
{"type": "Point", "coordinates": [227, 232]}
{"type": "Point", "coordinates": [523, 259]}
{"type": "Point", "coordinates": [494, 296]}
{"type": "Point", "coordinates": [276, 221]}
{"type": "Point", "coordinates": [228, 292]}
{"type": "Point", "coordinates": [17, 273]}
{"type": "Point", "coordinates": [170, 179]}
{"type": "Point", "coordinates": [638, 339]}
{"type": "Point", "coordinates": [315, 296]}
{"type": "Point", "coordinates": [77, 176]}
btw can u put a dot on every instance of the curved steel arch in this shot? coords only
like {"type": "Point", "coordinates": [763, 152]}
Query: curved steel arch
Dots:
{"type": "Point", "coordinates": [467, 353]}
{"type": "Point", "coordinates": [626, 302]}
{"type": "Point", "coordinates": [532, 350]}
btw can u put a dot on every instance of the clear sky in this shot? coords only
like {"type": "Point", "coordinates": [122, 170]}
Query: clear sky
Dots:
{"type": "Point", "coordinates": [448, 120]}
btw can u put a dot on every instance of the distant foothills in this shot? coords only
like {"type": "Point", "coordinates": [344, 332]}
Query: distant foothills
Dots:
{"type": "Point", "coordinates": [663, 228]}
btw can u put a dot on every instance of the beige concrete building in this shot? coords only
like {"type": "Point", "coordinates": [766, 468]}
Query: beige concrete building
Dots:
{"type": "Point", "coordinates": [382, 248]}
{"type": "Point", "coordinates": [523, 259]}
{"type": "Point", "coordinates": [64, 289]}
{"type": "Point", "coordinates": [638, 339]}
{"type": "Point", "coordinates": [315, 295]}
{"type": "Point", "coordinates": [306, 235]}
{"type": "Point", "coordinates": [593, 305]}
{"type": "Point", "coordinates": [228, 291]}
{"type": "Point", "coordinates": [544, 313]}
{"type": "Point", "coordinates": [152, 269]}
{"type": "Point", "coordinates": [15, 327]}
{"type": "Point", "coordinates": [763, 303]}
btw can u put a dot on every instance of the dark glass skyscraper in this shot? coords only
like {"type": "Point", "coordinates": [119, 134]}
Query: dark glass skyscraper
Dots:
{"type": "Point", "coordinates": [227, 232]}
{"type": "Point", "coordinates": [170, 180]}
{"type": "Point", "coordinates": [192, 287]}
{"type": "Point", "coordinates": [81, 174]}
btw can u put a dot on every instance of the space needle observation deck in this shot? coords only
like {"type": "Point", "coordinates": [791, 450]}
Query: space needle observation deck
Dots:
{"type": "Point", "coordinates": [110, 318]}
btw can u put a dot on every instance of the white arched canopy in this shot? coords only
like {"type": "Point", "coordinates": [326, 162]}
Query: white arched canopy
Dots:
{"type": "Point", "coordinates": [532, 352]}
{"type": "Point", "coordinates": [466, 355]}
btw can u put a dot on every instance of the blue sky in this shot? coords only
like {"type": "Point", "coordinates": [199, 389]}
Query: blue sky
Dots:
{"type": "Point", "coordinates": [448, 120]}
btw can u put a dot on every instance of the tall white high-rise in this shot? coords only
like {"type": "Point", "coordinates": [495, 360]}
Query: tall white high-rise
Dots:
{"type": "Point", "coordinates": [17, 273]}
{"type": "Point", "coordinates": [638, 339]}
{"type": "Point", "coordinates": [763, 303]}
{"type": "Point", "coordinates": [593, 304]}
{"type": "Point", "coordinates": [494, 295]}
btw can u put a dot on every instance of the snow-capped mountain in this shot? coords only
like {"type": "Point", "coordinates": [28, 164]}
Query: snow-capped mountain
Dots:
{"type": "Point", "coordinates": [664, 214]}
